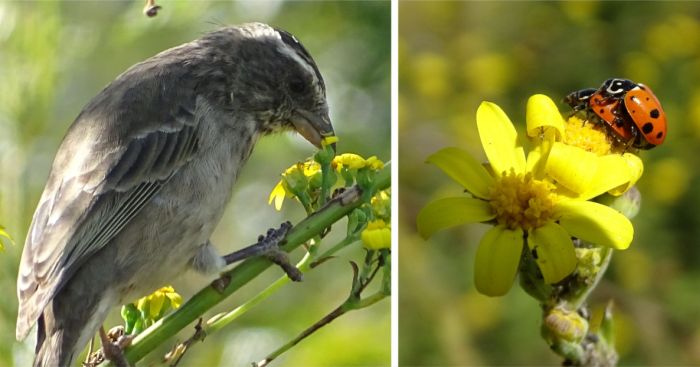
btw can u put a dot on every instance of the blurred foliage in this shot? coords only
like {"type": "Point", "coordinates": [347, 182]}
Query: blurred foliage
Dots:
{"type": "Point", "coordinates": [453, 55]}
{"type": "Point", "coordinates": [55, 56]}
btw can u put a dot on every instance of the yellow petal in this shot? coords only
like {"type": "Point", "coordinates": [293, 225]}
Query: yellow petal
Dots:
{"type": "Point", "coordinates": [376, 239]}
{"type": "Point", "coordinates": [175, 299]}
{"type": "Point", "coordinates": [310, 168]}
{"type": "Point", "coordinates": [571, 167]}
{"type": "Point", "coordinates": [497, 260]}
{"type": "Point", "coordinates": [350, 160]}
{"type": "Point", "coordinates": [537, 159]}
{"type": "Point", "coordinates": [614, 172]}
{"type": "Point", "coordinates": [449, 212]}
{"type": "Point", "coordinates": [543, 114]}
{"type": "Point", "coordinates": [595, 223]}
{"type": "Point", "coordinates": [277, 195]}
{"type": "Point", "coordinates": [464, 169]}
{"type": "Point", "coordinates": [157, 300]}
{"type": "Point", "coordinates": [374, 163]}
{"type": "Point", "coordinates": [4, 234]}
{"type": "Point", "coordinates": [554, 251]}
{"type": "Point", "coordinates": [636, 168]}
{"type": "Point", "coordinates": [499, 139]}
{"type": "Point", "coordinates": [143, 303]}
{"type": "Point", "coordinates": [328, 140]}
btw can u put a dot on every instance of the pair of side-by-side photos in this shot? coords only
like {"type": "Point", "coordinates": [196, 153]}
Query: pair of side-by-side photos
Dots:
{"type": "Point", "coordinates": [349, 183]}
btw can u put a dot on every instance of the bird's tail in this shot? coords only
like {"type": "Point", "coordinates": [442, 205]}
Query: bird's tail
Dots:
{"type": "Point", "coordinates": [53, 347]}
{"type": "Point", "coordinates": [51, 350]}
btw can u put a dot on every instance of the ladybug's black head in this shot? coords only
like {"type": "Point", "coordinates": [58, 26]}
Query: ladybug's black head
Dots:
{"type": "Point", "coordinates": [578, 100]}
{"type": "Point", "coordinates": [617, 86]}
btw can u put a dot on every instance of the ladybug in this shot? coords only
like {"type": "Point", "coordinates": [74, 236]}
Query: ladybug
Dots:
{"type": "Point", "coordinates": [605, 109]}
{"type": "Point", "coordinates": [629, 110]}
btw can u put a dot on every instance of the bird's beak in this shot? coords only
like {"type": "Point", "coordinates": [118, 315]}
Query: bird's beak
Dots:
{"type": "Point", "coordinates": [312, 126]}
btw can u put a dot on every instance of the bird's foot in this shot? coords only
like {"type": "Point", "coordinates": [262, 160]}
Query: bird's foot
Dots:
{"type": "Point", "coordinates": [113, 344]}
{"type": "Point", "coordinates": [269, 247]}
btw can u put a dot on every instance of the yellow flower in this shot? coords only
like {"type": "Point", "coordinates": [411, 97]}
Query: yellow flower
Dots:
{"type": "Point", "coordinates": [294, 179]}
{"type": "Point", "coordinates": [540, 200]}
{"type": "Point", "coordinates": [377, 235]}
{"type": "Point", "coordinates": [355, 161]}
{"type": "Point", "coordinates": [381, 204]}
{"type": "Point", "coordinates": [374, 163]}
{"type": "Point", "coordinates": [562, 142]}
{"type": "Point", "coordinates": [157, 303]}
{"type": "Point", "coordinates": [349, 161]}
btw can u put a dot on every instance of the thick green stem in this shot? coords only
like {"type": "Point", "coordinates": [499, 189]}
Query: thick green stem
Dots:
{"type": "Point", "coordinates": [220, 321]}
{"type": "Point", "coordinates": [208, 297]}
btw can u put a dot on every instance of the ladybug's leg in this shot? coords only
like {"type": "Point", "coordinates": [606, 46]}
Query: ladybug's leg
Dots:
{"type": "Point", "coordinates": [635, 137]}
{"type": "Point", "coordinates": [586, 117]}
{"type": "Point", "coordinates": [576, 109]}
{"type": "Point", "coordinates": [619, 120]}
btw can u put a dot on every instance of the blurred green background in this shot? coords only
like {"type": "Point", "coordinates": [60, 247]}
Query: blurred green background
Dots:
{"type": "Point", "coordinates": [55, 56]}
{"type": "Point", "coordinates": [452, 56]}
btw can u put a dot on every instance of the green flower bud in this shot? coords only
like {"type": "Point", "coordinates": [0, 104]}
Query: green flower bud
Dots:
{"type": "Point", "coordinates": [560, 324]}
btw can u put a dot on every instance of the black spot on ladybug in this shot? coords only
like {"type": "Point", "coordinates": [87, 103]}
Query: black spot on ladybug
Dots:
{"type": "Point", "coordinates": [648, 99]}
{"type": "Point", "coordinates": [654, 113]}
{"type": "Point", "coordinates": [601, 111]}
{"type": "Point", "coordinates": [660, 134]}
{"type": "Point", "coordinates": [648, 127]}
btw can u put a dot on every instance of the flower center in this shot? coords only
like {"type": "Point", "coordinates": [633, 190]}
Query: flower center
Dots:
{"type": "Point", "coordinates": [520, 201]}
{"type": "Point", "coordinates": [589, 136]}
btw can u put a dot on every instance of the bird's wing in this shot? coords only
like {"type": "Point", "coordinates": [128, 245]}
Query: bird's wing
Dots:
{"type": "Point", "coordinates": [115, 157]}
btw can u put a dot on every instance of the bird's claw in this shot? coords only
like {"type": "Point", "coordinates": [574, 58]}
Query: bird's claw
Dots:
{"type": "Point", "coordinates": [269, 247]}
{"type": "Point", "coordinates": [113, 344]}
{"type": "Point", "coordinates": [271, 242]}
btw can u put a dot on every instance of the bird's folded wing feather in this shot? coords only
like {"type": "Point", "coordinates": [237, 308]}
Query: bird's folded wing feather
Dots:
{"type": "Point", "coordinates": [108, 167]}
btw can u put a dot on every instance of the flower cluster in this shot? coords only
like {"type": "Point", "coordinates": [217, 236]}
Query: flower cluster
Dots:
{"type": "Point", "coordinates": [540, 199]}
{"type": "Point", "coordinates": [377, 234]}
{"type": "Point", "coordinates": [305, 182]}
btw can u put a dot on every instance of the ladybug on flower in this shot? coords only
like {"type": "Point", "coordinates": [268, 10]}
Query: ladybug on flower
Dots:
{"type": "Point", "coordinates": [630, 111]}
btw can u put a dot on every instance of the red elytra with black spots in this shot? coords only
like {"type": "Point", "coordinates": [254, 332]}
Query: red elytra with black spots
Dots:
{"type": "Point", "coordinates": [630, 111]}
{"type": "Point", "coordinates": [647, 113]}
{"type": "Point", "coordinates": [609, 111]}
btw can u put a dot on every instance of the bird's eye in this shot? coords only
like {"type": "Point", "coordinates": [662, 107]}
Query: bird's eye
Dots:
{"type": "Point", "coordinates": [297, 85]}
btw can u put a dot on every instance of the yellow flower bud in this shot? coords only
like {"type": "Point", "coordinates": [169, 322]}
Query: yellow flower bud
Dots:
{"type": "Point", "coordinates": [377, 235]}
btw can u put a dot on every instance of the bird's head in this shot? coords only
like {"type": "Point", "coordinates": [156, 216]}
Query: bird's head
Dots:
{"type": "Point", "coordinates": [269, 73]}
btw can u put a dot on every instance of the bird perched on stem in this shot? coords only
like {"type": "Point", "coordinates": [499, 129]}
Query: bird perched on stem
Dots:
{"type": "Point", "coordinates": [144, 173]}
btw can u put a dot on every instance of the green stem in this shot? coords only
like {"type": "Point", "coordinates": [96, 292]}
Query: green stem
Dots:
{"type": "Point", "coordinates": [208, 297]}
{"type": "Point", "coordinates": [331, 251]}
{"type": "Point", "coordinates": [306, 264]}
{"type": "Point", "coordinates": [218, 322]}
{"type": "Point", "coordinates": [350, 304]}
{"type": "Point", "coordinates": [353, 302]}
{"type": "Point", "coordinates": [577, 300]}
{"type": "Point", "coordinates": [325, 177]}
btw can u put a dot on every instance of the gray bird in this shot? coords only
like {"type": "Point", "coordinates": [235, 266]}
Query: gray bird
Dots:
{"type": "Point", "coordinates": [144, 173]}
